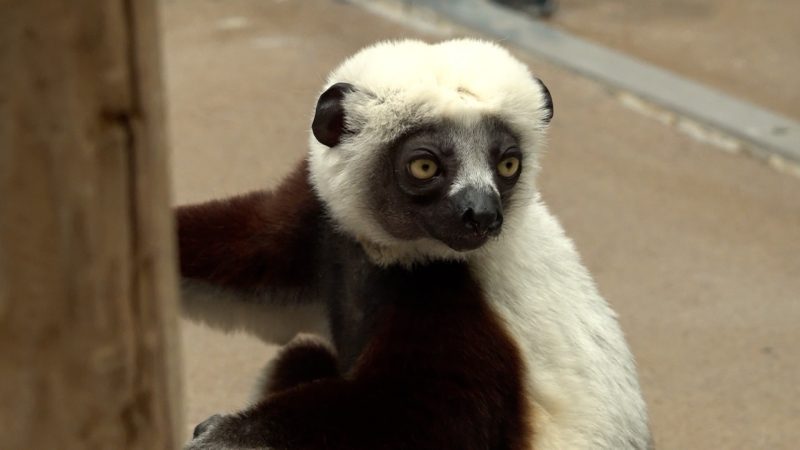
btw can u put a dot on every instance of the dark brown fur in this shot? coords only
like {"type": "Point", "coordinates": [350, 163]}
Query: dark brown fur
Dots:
{"type": "Point", "coordinates": [439, 373]}
{"type": "Point", "coordinates": [301, 361]}
{"type": "Point", "coordinates": [261, 239]}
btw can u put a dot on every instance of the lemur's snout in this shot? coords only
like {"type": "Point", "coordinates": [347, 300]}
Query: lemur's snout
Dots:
{"type": "Point", "coordinates": [483, 222]}
{"type": "Point", "coordinates": [481, 211]}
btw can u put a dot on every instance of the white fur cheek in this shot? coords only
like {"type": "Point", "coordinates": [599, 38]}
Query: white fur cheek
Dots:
{"type": "Point", "coordinates": [338, 177]}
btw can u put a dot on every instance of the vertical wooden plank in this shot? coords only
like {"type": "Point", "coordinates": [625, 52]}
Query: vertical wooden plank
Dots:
{"type": "Point", "coordinates": [154, 226]}
{"type": "Point", "coordinates": [87, 283]}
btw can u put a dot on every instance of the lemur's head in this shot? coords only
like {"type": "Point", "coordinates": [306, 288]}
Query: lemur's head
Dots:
{"type": "Point", "coordinates": [427, 149]}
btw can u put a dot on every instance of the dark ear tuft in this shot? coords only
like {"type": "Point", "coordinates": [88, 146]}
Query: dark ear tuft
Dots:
{"type": "Point", "coordinates": [328, 125]}
{"type": "Point", "coordinates": [548, 101]}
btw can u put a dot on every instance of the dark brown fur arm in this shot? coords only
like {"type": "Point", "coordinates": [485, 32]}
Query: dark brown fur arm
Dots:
{"type": "Point", "coordinates": [261, 240]}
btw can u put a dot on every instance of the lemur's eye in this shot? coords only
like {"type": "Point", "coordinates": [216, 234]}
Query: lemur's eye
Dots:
{"type": "Point", "coordinates": [508, 167]}
{"type": "Point", "coordinates": [423, 168]}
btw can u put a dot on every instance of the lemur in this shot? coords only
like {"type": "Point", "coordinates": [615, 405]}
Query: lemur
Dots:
{"type": "Point", "coordinates": [414, 239]}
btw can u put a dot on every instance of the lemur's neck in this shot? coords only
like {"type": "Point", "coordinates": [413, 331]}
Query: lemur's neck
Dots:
{"type": "Point", "coordinates": [409, 253]}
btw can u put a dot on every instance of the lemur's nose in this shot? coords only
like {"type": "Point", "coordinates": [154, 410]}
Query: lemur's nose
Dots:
{"type": "Point", "coordinates": [481, 211]}
{"type": "Point", "coordinates": [482, 221]}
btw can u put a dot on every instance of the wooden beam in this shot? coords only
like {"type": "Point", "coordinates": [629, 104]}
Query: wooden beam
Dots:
{"type": "Point", "coordinates": [88, 323]}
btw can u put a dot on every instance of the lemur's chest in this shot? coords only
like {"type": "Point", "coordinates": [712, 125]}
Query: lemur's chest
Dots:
{"type": "Point", "coordinates": [427, 335]}
{"type": "Point", "coordinates": [351, 289]}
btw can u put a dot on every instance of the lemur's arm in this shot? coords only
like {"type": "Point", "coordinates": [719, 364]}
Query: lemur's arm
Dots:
{"type": "Point", "coordinates": [248, 262]}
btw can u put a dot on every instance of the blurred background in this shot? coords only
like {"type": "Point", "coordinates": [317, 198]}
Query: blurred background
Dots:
{"type": "Point", "coordinates": [698, 249]}
{"type": "Point", "coordinates": [746, 48]}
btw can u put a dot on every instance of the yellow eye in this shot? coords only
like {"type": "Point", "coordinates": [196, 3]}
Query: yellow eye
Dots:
{"type": "Point", "coordinates": [423, 168]}
{"type": "Point", "coordinates": [508, 167]}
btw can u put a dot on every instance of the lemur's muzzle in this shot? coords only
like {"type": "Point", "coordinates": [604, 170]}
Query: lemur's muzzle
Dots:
{"type": "Point", "coordinates": [480, 210]}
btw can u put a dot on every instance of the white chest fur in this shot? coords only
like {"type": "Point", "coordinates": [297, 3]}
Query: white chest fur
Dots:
{"type": "Point", "coordinates": [581, 378]}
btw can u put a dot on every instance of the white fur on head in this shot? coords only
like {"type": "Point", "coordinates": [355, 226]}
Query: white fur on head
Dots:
{"type": "Point", "coordinates": [405, 84]}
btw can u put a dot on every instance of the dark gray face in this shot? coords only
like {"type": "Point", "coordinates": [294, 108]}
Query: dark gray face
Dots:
{"type": "Point", "coordinates": [447, 181]}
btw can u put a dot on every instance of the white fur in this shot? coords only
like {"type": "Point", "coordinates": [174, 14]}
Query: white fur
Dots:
{"type": "Point", "coordinates": [581, 378]}
{"type": "Point", "coordinates": [580, 372]}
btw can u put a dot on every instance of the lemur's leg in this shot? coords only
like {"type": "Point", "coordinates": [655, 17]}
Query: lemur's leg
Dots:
{"type": "Point", "coordinates": [248, 262]}
{"type": "Point", "coordinates": [439, 372]}
{"type": "Point", "coordinates": [306, 359]}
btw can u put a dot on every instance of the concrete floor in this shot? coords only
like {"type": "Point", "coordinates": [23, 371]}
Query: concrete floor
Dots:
{"type": "Point", "coordinates": [750, 49]}
{"type": "Point", "coordinates": [698, 250]}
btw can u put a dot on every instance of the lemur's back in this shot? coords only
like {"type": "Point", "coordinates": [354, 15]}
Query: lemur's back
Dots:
{"type": "Point", "coordinates": [574, 350]}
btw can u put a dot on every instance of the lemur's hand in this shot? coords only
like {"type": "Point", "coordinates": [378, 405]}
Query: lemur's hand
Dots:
{"type": "Point", "coordinates": [219, 433]}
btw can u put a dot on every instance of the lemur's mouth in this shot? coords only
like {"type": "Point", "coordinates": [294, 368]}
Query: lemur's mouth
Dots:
{"type": "Point", "coordinates": [471, 240]}
{"type": "Point", "coordinates": [459, 236]}
{"type": "Point", "coordinates": [478, 215]}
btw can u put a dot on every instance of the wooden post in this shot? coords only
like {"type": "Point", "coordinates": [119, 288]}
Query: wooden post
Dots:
{"type": "Point", "coordinates": [88, 322]}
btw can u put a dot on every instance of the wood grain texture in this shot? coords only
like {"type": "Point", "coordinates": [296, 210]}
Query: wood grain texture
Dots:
{"type": "Point", "coordinates": [87, 278]}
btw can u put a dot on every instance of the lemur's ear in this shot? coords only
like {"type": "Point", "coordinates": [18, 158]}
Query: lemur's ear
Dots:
{"type": "Point", "coordinates": [328, 125]}
{"type": "Point", "coordinates": [548, 101]}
